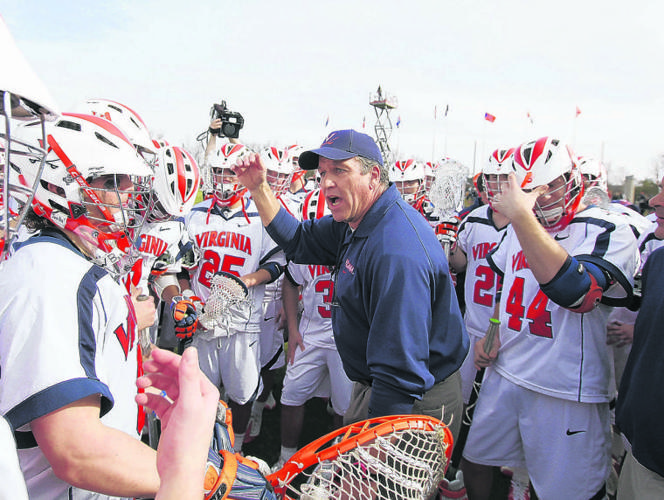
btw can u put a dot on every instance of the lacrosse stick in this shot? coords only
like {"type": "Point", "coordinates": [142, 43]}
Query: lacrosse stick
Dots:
{"type": "Point", "coordinates": [447, 192]}
{"type": "Point", "coordinates": [226, 291]}
{"type": "Point", "coordinates": [400, 456]}
{"type": "Point", "coordinates": [467, 420]}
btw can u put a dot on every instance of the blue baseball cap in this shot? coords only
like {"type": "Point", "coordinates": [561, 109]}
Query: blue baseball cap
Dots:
{"type": "Point", "coordinates": [342, 145]}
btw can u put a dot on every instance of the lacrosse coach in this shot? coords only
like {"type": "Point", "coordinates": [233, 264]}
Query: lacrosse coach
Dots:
{"type": "Point", "coordinates": [395, 314]}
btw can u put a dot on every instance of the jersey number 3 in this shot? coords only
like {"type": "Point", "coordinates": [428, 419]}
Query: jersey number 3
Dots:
{"type": "Point", "coordinates": [538, 316]}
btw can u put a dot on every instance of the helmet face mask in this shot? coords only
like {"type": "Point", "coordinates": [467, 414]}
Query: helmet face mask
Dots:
{"type": "Point", "coordinates": [496, 171]}
{"type": "Point", "coordinates": [94, 185]}
{"type": "Point", "coordinates": [279, 169]}
{"type": "Point", "coordinates": [219, 180]}
{"type": "Point", "coordinates": [550, 162]}
{"type": "Point", "coordinates": [409, 178]}
{"type": "Point", "coordinates": [23, 98]}
{"type": "Point", "coordinates": [227, 190]}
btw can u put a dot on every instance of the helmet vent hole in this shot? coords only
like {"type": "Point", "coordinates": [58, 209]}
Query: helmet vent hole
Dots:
{"type": "Point", "coordinates": [105, 140]}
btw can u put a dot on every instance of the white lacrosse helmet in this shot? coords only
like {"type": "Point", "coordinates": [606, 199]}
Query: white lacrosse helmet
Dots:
{"type": "Point", "coordinates": [83, 151]}
{"type": "Point", "coordinates": [408, 176]}
{"type": "Point", "coordinates": [225, 186]}
{"type": "Point", "coordinates": [279, 167]}
{"type": "Point", "coordinates": [294, 152]}
{"type": "Point", "coordinates": [314, 206]}
{"type": "Point", "coordinates": [127, 120]}
{"type": "Point", "coordinates": [160, 143]}
{"type": "Point", "coordinates": [23, 98]}
{"type": "Point", "coordinates": [176, 183]}
{"type": "Point", "coordinates": [593, 172]}
{"type": "Point", "coordinates": [430, 168]}
{"type": "Point", "coordinates": [496, 170]}
{"type": "Point", "coordinates": [546, 162]}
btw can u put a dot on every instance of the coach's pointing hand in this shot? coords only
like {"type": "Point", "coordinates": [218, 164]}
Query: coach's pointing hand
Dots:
{"type": "Point", "coordinates": [251, 172]}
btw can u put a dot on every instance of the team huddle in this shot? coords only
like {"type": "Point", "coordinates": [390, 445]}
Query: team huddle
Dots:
{"type": "Point", "coordinates": [112, 239]}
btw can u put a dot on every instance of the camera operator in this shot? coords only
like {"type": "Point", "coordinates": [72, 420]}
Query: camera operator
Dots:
{"type": "Point", "coordinates": [213, 133]}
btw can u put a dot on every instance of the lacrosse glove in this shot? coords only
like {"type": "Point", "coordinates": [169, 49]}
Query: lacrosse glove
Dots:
{"type": "Point", "coordinates": [228, 474]}
{"type": "Point", "coordinates": [446, 230]}
{"type": "Point", "coordinates": [185, 314]}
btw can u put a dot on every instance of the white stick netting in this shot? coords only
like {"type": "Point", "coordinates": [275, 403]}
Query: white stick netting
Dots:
{"type": "Point", "coordinates": [448, 188]}
{"type": "Point", "coordinates": [407, 463]}
{"type": "Point", "coordinates": [225, 293]}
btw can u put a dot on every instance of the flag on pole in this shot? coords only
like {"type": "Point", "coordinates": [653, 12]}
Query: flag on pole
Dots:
{"type": "Point", "coordinates": [398, 121]}
{"type": "Point", "coordinates": [447, 109]}
{"type": "Point", "coordinates": [578, 112]}
{"type": "Point", "coordinates": [435, 111]}
{"type": "Point", "coordinates": [530, 118]}
{"type": "Point", "coordinates": [327, 120]}
{"type": "Point", "coordinates": [489, 117]}
{"type": "Point", "coordinates": [364, 122]}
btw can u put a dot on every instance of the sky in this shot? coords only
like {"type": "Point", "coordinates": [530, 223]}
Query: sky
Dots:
{"type": "Point", "coordinates": [291, 66]}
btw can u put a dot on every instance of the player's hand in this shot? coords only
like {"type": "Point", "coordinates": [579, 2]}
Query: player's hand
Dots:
{"type": "Point", "coordinates": [294, 341]}
{"type": "Point", "coordinates": [619, 334]}
{"type": "Point", "coordinates": [145, 309]}
{"type": "Point", "coordinates": [446, 230]}
{"type": "Point", "coordinates": [513, 201]}
{"type": "Point", "coordinates": [185, 316]}
{"type": "Point", "coordinates": [481, 359]}
{"type": "Point", "coordinates": [186, 406]}
{"type": "Point", "coordinates": [251, 172]}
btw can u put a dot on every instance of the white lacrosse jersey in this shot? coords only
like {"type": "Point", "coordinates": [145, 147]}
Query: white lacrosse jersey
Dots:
{"type": "Point", "coordinates": [317, 292]}
{"type": "Point", "coordinates": [235, 241]}
{"type": "Point", "coordinates": [545, 347]}
{"type": "Point", "coordinates": [161, 248]}
{"type": "Point", "coordinates": [477, 236]}
{"type": "Point", "coordinates": [67, 331]}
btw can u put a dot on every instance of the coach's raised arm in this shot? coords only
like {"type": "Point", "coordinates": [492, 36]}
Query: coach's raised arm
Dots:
{"type": "Point", "coordinates": [395, 314]}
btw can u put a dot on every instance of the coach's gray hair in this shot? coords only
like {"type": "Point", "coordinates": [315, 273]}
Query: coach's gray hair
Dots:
{"type": "Point", "coordinates": [367, 165]}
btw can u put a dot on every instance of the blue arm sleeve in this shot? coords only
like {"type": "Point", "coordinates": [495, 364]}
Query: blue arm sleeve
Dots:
{"type": "Point", "coordinates": [573, 281]}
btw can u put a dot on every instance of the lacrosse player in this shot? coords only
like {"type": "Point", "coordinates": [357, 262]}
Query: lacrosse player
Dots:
{"type": "Point", "coordinates": [79, 343]}
{"type": "Point", "coordinates": [396, 319]}
{"type": "Point", "coordinates": [546, 391]}
{"type": "Point", "coordinates": [228, 235]}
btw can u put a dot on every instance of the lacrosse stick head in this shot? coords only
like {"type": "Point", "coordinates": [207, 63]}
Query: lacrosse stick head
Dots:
{"type": "Point", "coordinates": [400, 456]}
{"type": "Point", "coordinates": [448, 188]}
{"type": "Point", "coordinates": [226, 291]}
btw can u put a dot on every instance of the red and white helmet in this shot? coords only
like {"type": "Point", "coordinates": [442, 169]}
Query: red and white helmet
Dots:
{"type": "Point", "coordinates": [408, 176]}
{"type": "Point", "coordinates": [176, 183]}
{"type": "Point", "coordinates": [23, 98]}
{"type": "Point", "coordinates": [294, 152]}
{"type": "Point", "coordinates": [550, 162]}
{"type": "Point", "coordinates": [593, 173]}
{"type": "Point", "coordinates": [85, 149]}
{"type": "Point", "coordinates": [496, 170]}
{"type": "Point", "coordinates": [279, 167]}
{"type": "Point", "coordinates": [225, 186]}
{"type": "Point", "coordinates": [314, 206]}
{"type": "Point", "coordinates": [160, 143]}
{"type": "Point", "coordinates": [127, 120]}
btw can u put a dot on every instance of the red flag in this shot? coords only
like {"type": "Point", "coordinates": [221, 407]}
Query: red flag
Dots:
{"type": "Point", "coordinates": [578, 111]}
{"type": "Point", "coordinates": [489, 117]}
{"type": "Point", "coordinates": [364, 121]}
